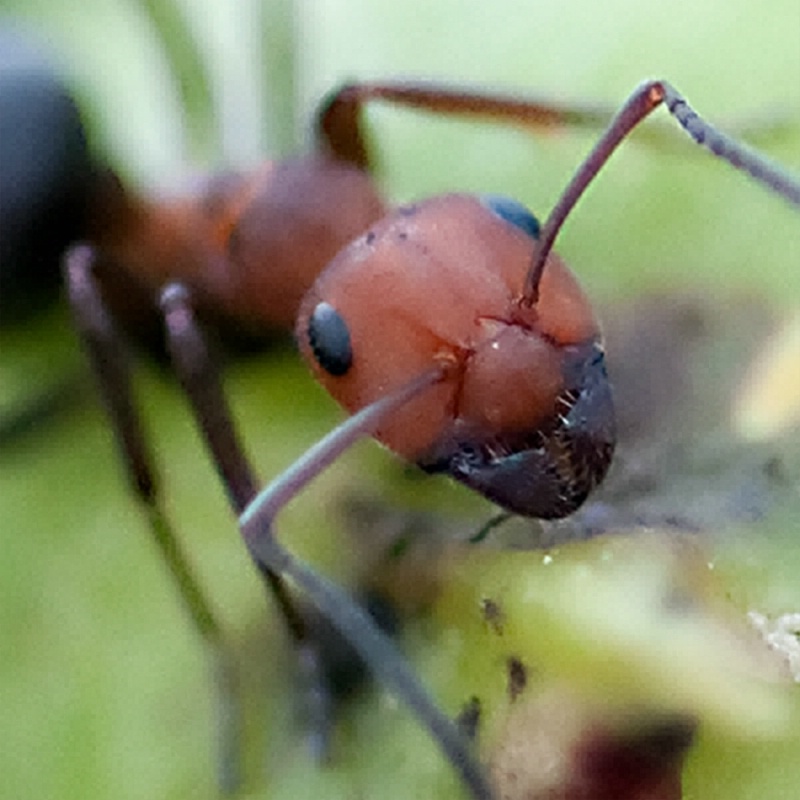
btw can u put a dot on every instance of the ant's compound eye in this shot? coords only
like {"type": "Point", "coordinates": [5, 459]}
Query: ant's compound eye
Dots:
{"type": "Point", "coordinates": [330, 339]}
{"type": "Point", "coordinates": [513, 212]}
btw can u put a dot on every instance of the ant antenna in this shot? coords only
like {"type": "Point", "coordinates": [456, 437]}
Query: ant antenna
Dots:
{"type": "Point", "coordinates": [375, 648]}
{"type": "Point", "coordinates": [644, 100]}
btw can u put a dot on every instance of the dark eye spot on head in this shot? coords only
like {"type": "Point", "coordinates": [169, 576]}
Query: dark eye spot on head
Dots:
{"type": "Point", "coordinates": [517, 677]}
{"type": "Point", "coordinates": [512, 212]}
{"type": "Point", "coordinates": [330, 339]}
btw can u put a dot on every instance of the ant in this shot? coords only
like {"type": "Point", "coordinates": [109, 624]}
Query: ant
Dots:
{"type": "Point", "coordinates": [418, 323]}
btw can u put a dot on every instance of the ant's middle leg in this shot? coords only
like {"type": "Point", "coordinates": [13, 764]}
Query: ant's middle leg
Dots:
{"type": "Point", "coordinates": [257, 511]}
{"type": "Point", "coordinates": [199, 375]}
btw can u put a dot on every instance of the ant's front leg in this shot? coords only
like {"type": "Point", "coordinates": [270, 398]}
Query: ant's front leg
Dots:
{"type": "Point", "coordinates": [110, 363]}
{"type": "Point", "coordinates": [200, 378]}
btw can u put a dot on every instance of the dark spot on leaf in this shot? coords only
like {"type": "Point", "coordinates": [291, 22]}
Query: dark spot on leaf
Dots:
{"type": "Point", "coordinates": [469, 718]}
{"type": "Point", "coordinates": [493, 615]}
{"type": "Point", "coordinates": [517, 677]}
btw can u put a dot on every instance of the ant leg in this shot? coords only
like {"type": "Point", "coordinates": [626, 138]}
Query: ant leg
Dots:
{"type": "Point", "coordinates": [339, 130]}
{"type": "Point", "coordinates": [644, 100]}
{"type": "Point", "coordinates": [201, 382]}
{"type": "Point", "coordinates": [340, 134]}
{"type": "Point", "coordinates": [110, 363]}
{"type": "Point", "coordinates": [200, 378]}
{"type": "Point", "coordinates": [375, 648]}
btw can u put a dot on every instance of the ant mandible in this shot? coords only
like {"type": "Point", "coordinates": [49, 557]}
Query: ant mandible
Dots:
{"type": "Point", "coordinates": [419, 327]}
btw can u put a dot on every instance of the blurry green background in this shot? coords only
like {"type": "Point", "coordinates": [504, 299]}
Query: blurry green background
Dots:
{"type": "Point", "coordinates": [103, 689]}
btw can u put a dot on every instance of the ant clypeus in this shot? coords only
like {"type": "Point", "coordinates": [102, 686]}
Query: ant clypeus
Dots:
{"type": "Point", "coordinates": [420, 321]}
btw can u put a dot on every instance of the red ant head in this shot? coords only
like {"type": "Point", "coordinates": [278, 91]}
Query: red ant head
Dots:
{"type": "Point", "coordinates": [523, 413]}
